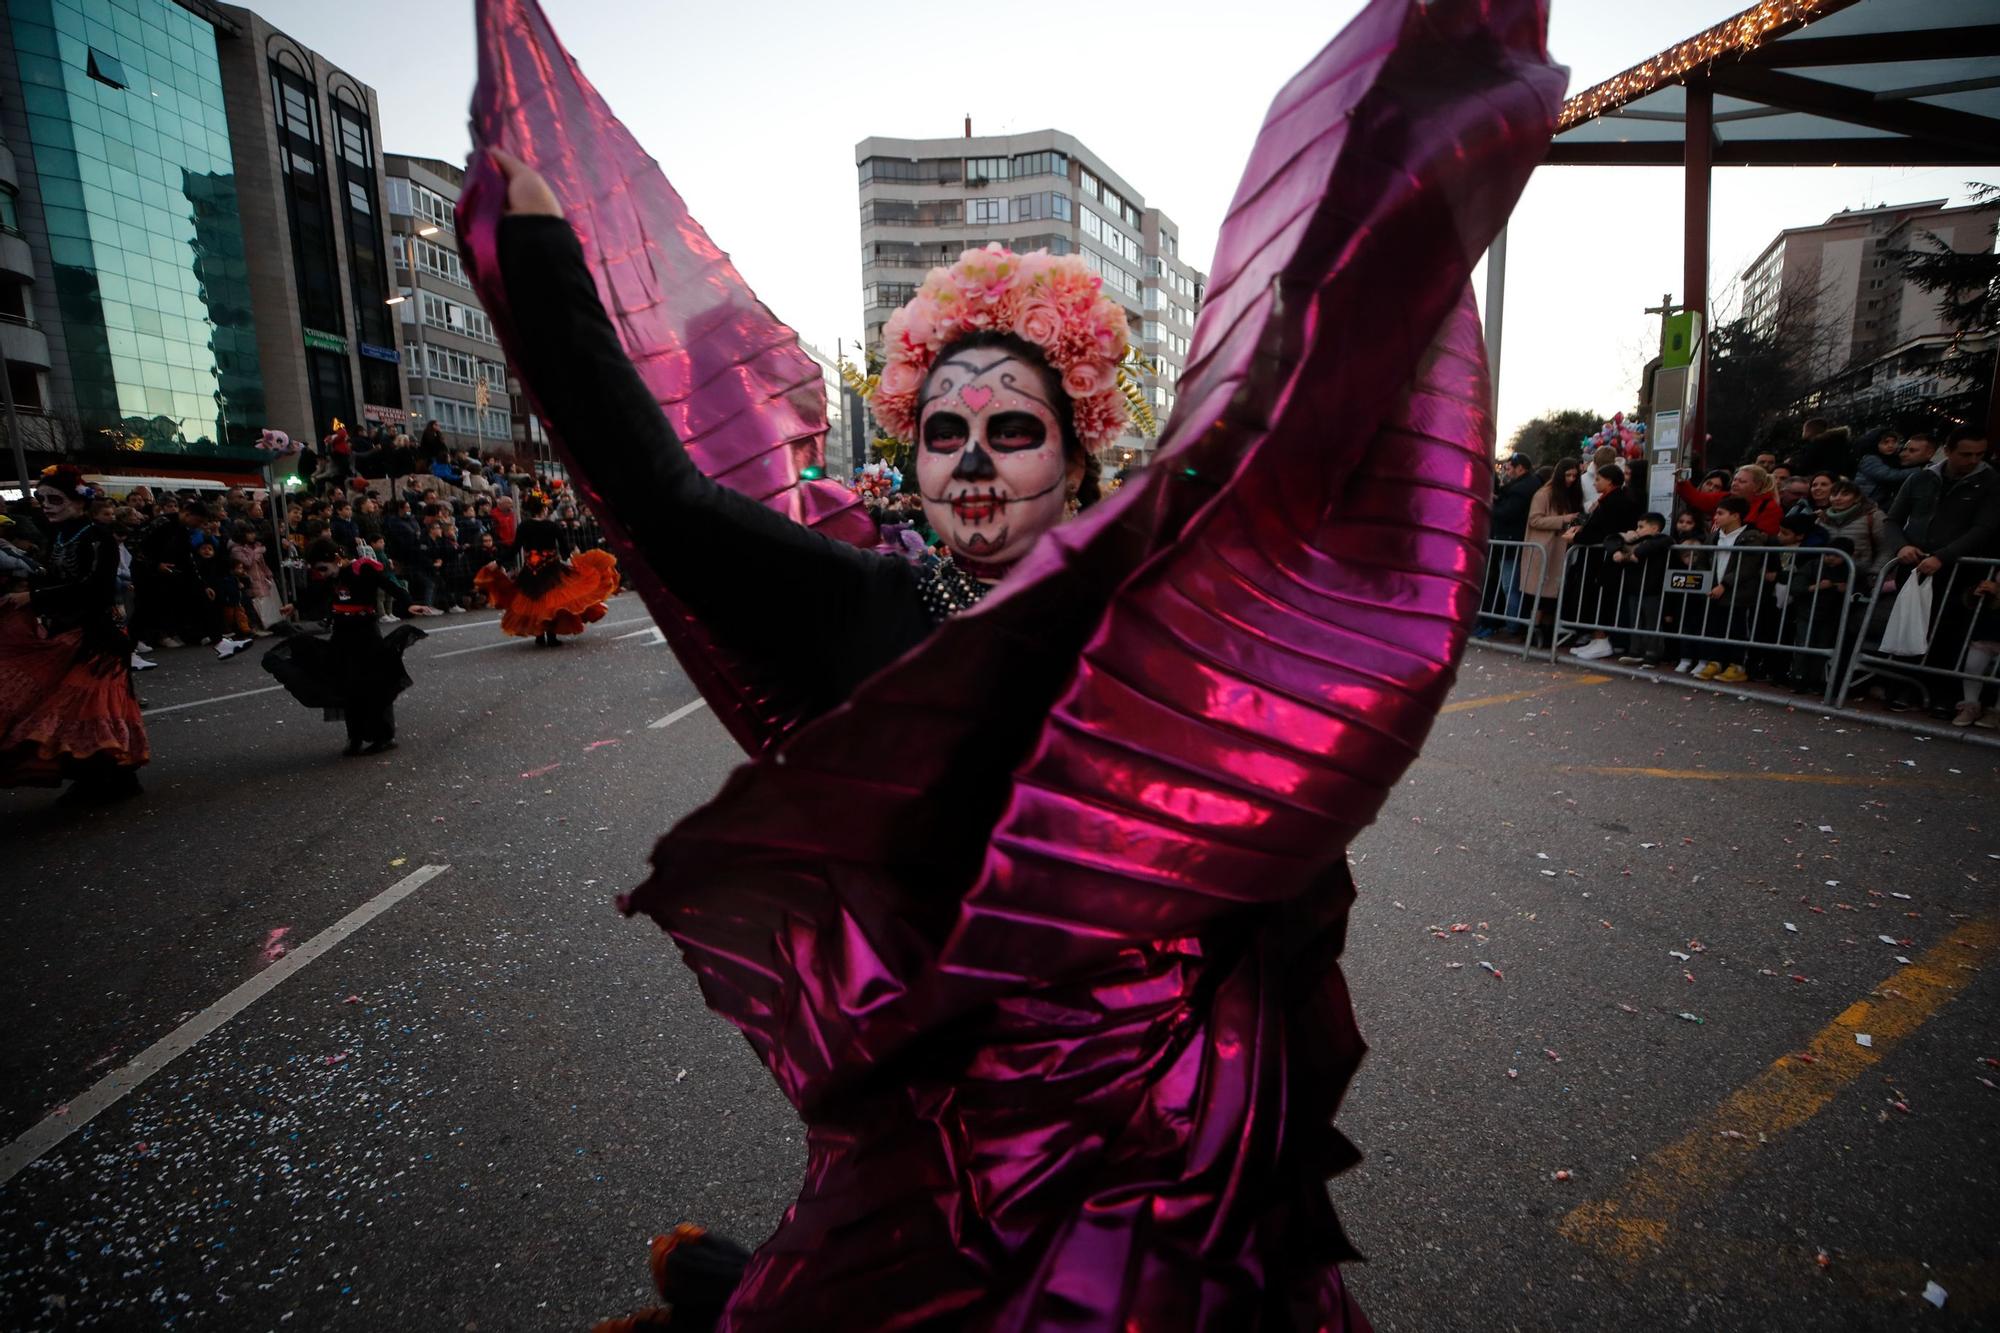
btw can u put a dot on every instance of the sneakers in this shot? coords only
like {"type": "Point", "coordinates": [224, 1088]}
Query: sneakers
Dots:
{"type": "Point", "coordinates": [1633, 659]}
{"type": "Point", "coordinates": [1594, 651]}
{"type": "Point", "coordinates": [1968, 713]}
{"type": "Point", "coordinates": [1685, 665]}
{"type": "Point", "coordinates": [141, 646]}
{"type": "Point", "coordinates": [1734, 675]}
{"type": "Point", "coordinates": [391, 620]}
{"type": "Point", "coordinates": [454, 610]}
{"type": "Point", "coordinates": [169, 642]}
{"type": "Point", "coordinates": [1708, 671]}
{"type": "Point", "coordinates": [141, 664]}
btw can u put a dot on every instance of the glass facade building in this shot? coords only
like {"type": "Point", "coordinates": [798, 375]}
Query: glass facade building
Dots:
{"type": "Point", "coordinates": [130, 145]}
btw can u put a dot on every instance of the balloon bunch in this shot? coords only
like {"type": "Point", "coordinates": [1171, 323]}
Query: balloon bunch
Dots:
{"type": "Point", "coordinates": [876, 483]}
{"type": "Point", "coordinates": [1626, 438]}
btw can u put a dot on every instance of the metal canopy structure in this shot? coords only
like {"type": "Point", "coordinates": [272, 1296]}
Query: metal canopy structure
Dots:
{"type": "Point", "coordinates": [1796, 83]}
{"type": "Point", "coordinates": [1801, 84]}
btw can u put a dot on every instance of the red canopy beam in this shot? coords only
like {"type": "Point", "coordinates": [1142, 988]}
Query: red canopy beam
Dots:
{"type": "Point", "coordinates": [1698, 160]}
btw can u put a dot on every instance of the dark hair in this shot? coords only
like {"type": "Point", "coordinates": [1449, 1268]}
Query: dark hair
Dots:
{"type": "Point", "coordinates": [1087, 491]}
{"type": "Point", "coordinates": [195, 507]}
{"type": "Point", "coordinates": [1962, 434]}
{"type": "Point", "coordinates": [1612, 473]}
{"type": "Point", "coordinates": [1570, 495]}
{"type": "Point", "coordinates": [321, 550]}
{"type": "Point", "coordinates": [1735, 504]}
{"type": "Point", "coordinates": [1653, 516]}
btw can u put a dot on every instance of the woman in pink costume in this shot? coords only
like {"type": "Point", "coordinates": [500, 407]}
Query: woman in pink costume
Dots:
{"type": "Point", "coordinates": [1061, 1009]}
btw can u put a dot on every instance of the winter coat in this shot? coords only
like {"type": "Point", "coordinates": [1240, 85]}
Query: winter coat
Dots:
{"type": "Point", "coordinates": [1879, 479]}
{"type": "Point", "coordinates": [1545, 529]}
{"type": "Point", "coordinates": [1948, 518]}
{"type": "Point", "coordinates": [1510, 508]}
{"type": "Point", "coordinates": [1872, 535]}
{"type": "Point", "coordinates": [1766, 514]}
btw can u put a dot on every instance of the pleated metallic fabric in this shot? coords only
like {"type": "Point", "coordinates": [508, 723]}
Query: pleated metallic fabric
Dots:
{"type": "Point", "coordinates": [1057, 994]}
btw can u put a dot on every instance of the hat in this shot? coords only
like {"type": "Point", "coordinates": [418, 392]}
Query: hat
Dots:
{"type": "Point", "coordinates": [1521, 460]}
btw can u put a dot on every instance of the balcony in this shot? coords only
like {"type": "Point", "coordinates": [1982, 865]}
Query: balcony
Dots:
{"type": "Point", "coordinates": [15, 259]}
{"type": "Point", "coordinates": [23, 342]}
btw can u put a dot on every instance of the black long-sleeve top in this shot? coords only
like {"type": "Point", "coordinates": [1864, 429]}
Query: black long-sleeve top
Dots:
{"type": "Point", "coordinates": [821, 614]}
{"type": "Point", "coordinates": [78, 585]}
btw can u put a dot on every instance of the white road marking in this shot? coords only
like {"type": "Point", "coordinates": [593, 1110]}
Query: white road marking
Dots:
{"type": "Point", "coordinates": [678, 714]}
{"type": "Point", "coordinates": [651, 630]}
{"type": "Point", "coordinates": [57, 1126]}
{"type": "Point", "coordinates": [515, 643]}
{"type": "Point", "coordinates": [218, 699]}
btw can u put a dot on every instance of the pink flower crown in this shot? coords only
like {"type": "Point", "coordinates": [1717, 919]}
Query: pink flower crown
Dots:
{"type": "Point", "coordinates": [1053, 302]}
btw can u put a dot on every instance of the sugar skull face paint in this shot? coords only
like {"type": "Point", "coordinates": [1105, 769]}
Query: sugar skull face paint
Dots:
{"type": "Point", "coordinates": [990, 463]}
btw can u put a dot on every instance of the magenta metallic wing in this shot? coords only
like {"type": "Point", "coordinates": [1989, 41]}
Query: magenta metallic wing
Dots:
{"type": "Point", "coordinates": [745, 399]}
{"type": "Point", "coordinates": [1057, 992]}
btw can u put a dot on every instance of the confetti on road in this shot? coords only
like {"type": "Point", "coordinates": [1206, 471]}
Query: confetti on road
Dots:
{"type": "Point", "coordinates": [1553, 1057]}
{"type": "Point", "coordinates": [1864, 1039]}
{"type": "Point", "coordinates": [1684, 957]}
{"type": "Point", "coordinates": [1497, 976]}
{"type": "Point", "coordinates": [274, 944]}
{"type": "Point", "coordinates": [1564, 1175]}
{"type": "Point", "coordinates": [538, 772]}
{"type": "Point", "coordinates": [1789, 926]}
{"type": "Point", "coordinates": [1935, 1294]}
{"type": "Point", "coordinates": [598, 745]}
{"type": "Point", "coordinates": [1687, 1017]}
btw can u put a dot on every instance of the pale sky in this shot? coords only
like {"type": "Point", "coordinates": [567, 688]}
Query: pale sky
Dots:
{"type": "Point", "coordinates": [754, 109]}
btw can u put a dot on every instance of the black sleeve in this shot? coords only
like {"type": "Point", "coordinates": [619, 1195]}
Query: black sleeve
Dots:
{"type": "Point", "coordinates": [765, 585]}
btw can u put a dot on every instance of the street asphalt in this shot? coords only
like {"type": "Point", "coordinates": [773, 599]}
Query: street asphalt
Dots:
{"type": "Point", "coordinates": [471, 1111]}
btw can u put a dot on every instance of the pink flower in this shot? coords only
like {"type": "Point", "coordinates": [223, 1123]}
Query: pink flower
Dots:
{"type": "Point", "coordinates": [1040, 322]}
{"type": "Point", "coordinates": [1085, 379]}
{"type": "Point", "coordinates": [901, 377]}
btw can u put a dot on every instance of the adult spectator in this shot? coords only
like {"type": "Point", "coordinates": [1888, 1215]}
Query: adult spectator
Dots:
{"type": "Point", "coordinates": [1828, 450]}
{"type": "Point", "coordinates": [1766, 459]}
{"type": "Point", "coordinates": [1752, 485]}
{"type": "Point", "coordinates": [505, 521]}
{"type": "Point", "coordinates": [1857, 520]}
{"type": "Point", "coordinates": [1602, 589]}
{"type": "Point", "coordinates": [342, 528]}
{"type": "Point", "coordinates": [1551, 514]}
{"type": "Point", "coordinates": [163, 574]}
{"type": "Point", "coordinates": [1817, 496]}
{"type": "Point", "coordinates": [403, 539]}
{"type": "Point", "coordinates": [1881, 472]}
{"type": "Point", "coordinates": [1737, 597]}
{"type": "Point", "coordinates": [1953, 511]}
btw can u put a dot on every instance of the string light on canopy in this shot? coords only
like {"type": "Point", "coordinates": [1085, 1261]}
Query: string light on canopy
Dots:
{"type": "Point", "coordinates": [1734, 36]}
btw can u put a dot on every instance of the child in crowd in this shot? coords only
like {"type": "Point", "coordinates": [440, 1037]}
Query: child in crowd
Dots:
{"type": "Point", "coordinates": [1639, 559]}
{"type": "Point", "coordinates": [1982, 658]}
{"type": "Point", "coordinates": [224, 621]}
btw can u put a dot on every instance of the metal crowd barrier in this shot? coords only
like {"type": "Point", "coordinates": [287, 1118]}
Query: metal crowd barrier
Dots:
{"type": "Point", "coordinates": [1500, 600]}
{"type": "Point", "coordinates": [1674, 612]}
{"type": "Point", "coordinates": [1950, 641]}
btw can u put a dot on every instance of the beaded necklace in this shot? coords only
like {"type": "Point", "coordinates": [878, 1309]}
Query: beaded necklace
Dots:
{"type": "Point", "coordinates": [946, 590]}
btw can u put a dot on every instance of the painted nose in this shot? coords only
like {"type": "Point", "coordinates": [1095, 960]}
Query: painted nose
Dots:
{"type": "Point", "coordinates": [974, 464]}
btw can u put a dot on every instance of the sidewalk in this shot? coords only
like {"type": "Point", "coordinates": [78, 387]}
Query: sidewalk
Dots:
{"type": "Point", "coordinates": [1916, 724]}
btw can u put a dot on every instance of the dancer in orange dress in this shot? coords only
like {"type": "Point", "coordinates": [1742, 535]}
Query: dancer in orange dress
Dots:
{"type": "Point", "coordinates": [550, 595]}
{"type": "Point", "coordinates": [66, 705]}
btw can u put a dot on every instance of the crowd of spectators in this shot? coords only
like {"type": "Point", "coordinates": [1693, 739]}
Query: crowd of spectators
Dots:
{"type": "Point", "coordinates": [1754, 565]}
{"type": "Point", "coordinates": [214, 567]}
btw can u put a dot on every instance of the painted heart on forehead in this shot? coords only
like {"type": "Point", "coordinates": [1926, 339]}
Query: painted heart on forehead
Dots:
{"type": "Point", "coordinates": [994, 456]}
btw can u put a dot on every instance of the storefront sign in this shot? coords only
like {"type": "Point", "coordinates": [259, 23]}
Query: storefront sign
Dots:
{"type": "Point", "coordinates": [325, 342]}
{"type": "Point", "coordinates": [388, 416]}
{"type": "Point", "coordinates": [380, 353]}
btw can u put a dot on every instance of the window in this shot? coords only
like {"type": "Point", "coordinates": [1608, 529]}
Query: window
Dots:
{"type": "Point", "coordinates": [888, 293]}
{"type": "Point", "coordinates": [1037, 207]}
{"type": "Point", "coordinates": [1087, 183]}
{"type": "Point", "coordinates": [440, 313]}
{"type": "Point", "coordinates": [308, 209]}
{"type": "Point", "coordinates": [1149, 331]}
{"type": "Point", "coordinates": [982, 211]}
{"type": "Point", "coordinates": [436, 259]}
{"type": "Point", "coordinates": [367, 267]}
{"type": "Point", "coordinates": [1154, 298]}
{"type": "Point", "coordinates": [10, 218]}
{"type": "Point", "coordinates": [1041, 164]}
{"type": "Point", "coordinates": [980, 169]}
{"type": "Point", "coordinates": [430, 206]}
{"type": "Point", "coordinates": [932, 171]}
{"type": "Point", "coordinates": [1179, 314]}
{"type": "Point", "coordinates": [1093, 225]}
{"type": "Point", "coordinates": [106, 69]}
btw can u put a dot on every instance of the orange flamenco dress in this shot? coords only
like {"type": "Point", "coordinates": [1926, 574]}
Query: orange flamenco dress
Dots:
{"type": "Point", "coordinates": [550, 594]}
{"type": "Point", "coordinates": [65, 683]}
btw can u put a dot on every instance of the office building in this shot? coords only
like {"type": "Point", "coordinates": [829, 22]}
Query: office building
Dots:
{"type": "Point", "coordinates": [454, 368]}
{"type": "Point", "coordinates": [923, 201]}
{"type": "Point", "coordinates": [306, 141]}
{"type": "Point", "coordinates": [125, 310]}
{"type": "Point", "coordinates": [1842, 276]}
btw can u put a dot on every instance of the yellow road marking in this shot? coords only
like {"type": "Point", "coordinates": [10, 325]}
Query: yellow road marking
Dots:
{"type": "Point", "coordinates": [1790, 1092]}
{"type": "Point", "coordinates": [1460, 705]}
{"type": "Point", "coordinates": [1714, 775]}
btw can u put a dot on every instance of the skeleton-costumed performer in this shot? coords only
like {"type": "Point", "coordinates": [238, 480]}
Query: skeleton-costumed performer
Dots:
{"type": "Point", "coordinates": [1059, 1001]}
{"type": "Point", "coordinates": [67, 710]}
{"type": "Point", "coordinates": [354, 672]}
{"type": "Point", "coordinates": [551, 595]}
